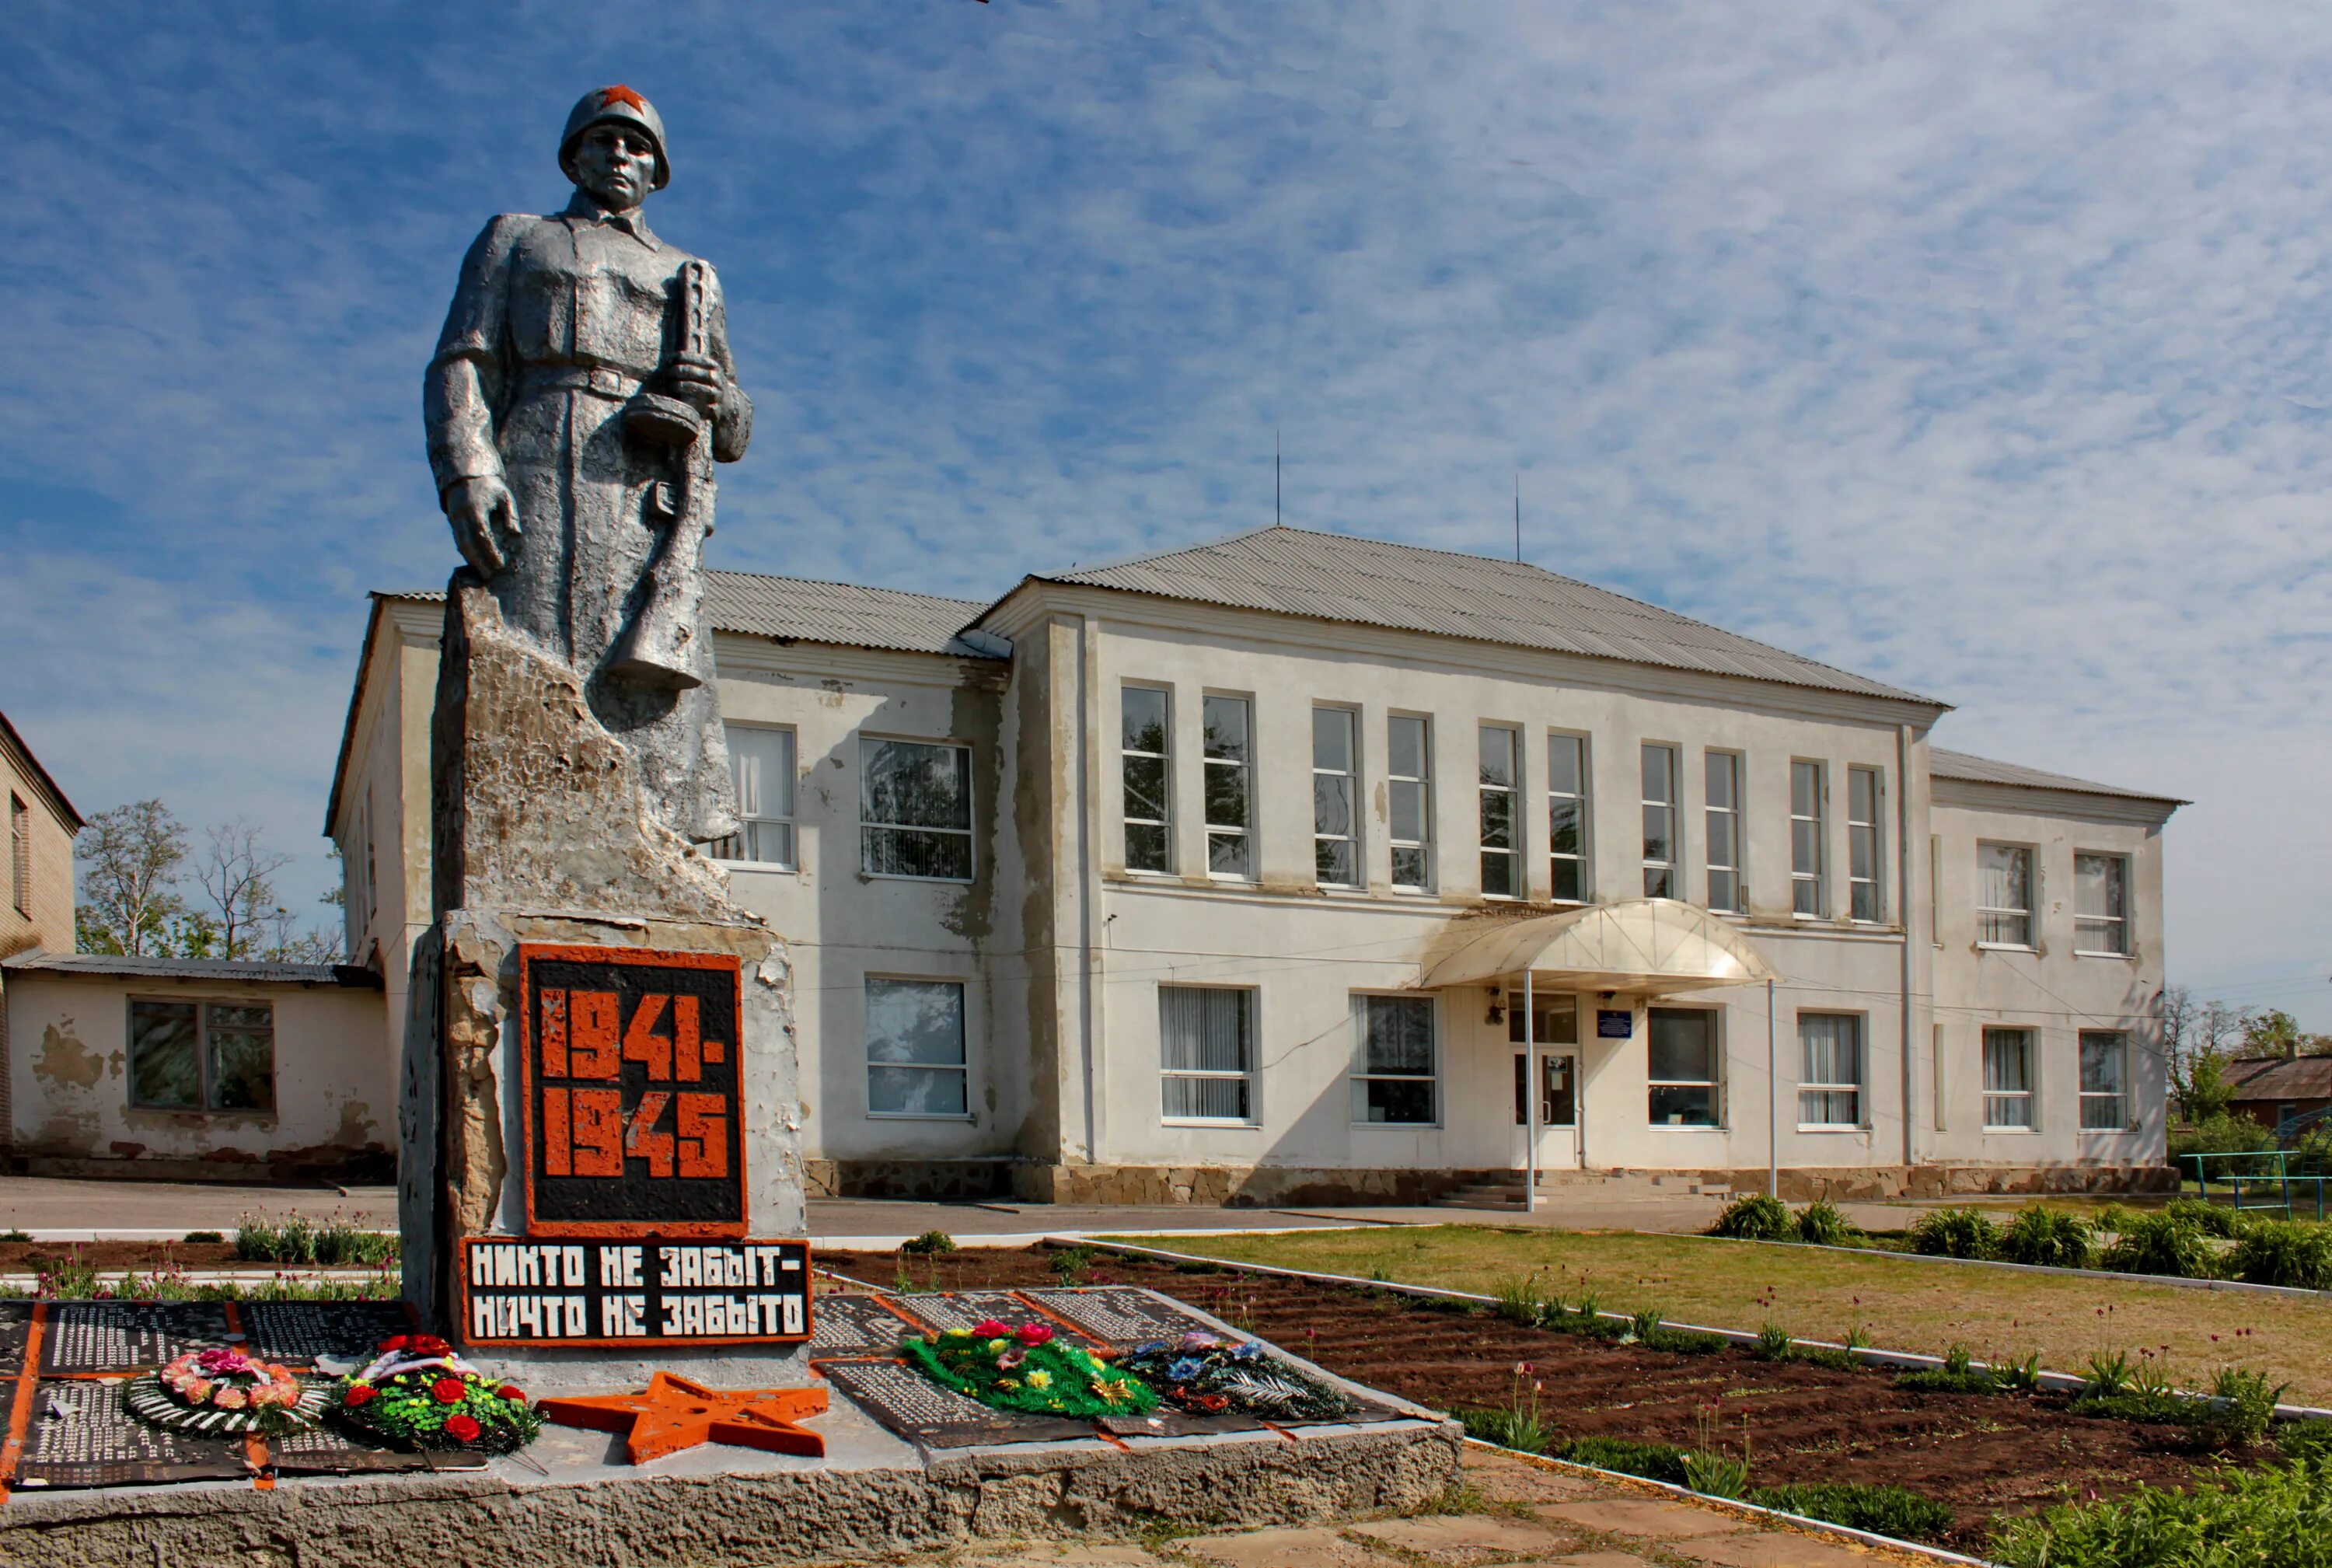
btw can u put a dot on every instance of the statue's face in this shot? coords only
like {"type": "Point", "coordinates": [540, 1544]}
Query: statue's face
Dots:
{"type": "Point", "coordinates": [616, 163]}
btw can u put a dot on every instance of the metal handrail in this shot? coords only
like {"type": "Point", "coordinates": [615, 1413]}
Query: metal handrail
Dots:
{"type": "Point", "coordinates": [2280, 1181]}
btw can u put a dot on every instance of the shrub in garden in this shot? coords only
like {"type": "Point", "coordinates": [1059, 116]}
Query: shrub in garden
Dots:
{"type": "Point", "coordinates": [2279, 1516]}
{"type": "Point", "coordinates": [1958, 1375]}
{"type": "Point", "coordinates": [2046, 1238]}
{"type": "Point", "coordinates": [2238, 1413]}
{"type": "Point", "coordinates": [2163, 1243]}
{"type": "Point", "coordinates": [1896, 1511]}
{"type": "Point", "coordinates": [1653, 1461]}
{"type": "Point", "coordinates": [1717, 1474]}
{"type": "Point", "coordinates": [930, 1244]}
{"type": "Point", "coordinates": [1518, 1300]}
{"type": "Point", "coordinates": [1070, 1264]}
{"type": "Point", "coordinates": [2308, 1440]}
{"type": "Point", "coordinates": [1954, 1233]}
{"type": "Point", "coordinates": [1774, 1344]}
{"type": "Point", "coordinates": [1821, 1224]}
{"type": "Point", "coordinates": [2284, 1252]}
{"type": "Point", "coordinates": [2222, 1219]}
{"type": "Point", "coordinates": [1754, 1217]}
{"type": "Point", "coordinates": [298, 1239]}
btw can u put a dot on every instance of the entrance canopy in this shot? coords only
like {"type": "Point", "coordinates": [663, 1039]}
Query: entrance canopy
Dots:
{"type": "Point", "coordinates": [1645, 946]}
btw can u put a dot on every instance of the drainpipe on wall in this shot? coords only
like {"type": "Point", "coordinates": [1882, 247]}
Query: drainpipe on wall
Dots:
{"type": "Point", "coordinates": [1903, 898]}
{"type": "Point", "coordinates": [1773, 1103]}
{"type": "Point", "coordinates": [1530, 1099]}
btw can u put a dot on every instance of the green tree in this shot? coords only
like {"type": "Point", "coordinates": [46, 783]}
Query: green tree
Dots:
{"type": "Point", "coordinates": [129, 858]}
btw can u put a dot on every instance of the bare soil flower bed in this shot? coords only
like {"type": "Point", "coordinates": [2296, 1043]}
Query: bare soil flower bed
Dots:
{"type": "Point", "coordinates": [1986, 1457]}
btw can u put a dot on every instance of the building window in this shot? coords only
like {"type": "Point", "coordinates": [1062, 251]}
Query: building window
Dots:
{"type": "Point", "coordinates": [2003, 875]}
{"type": "Point", "coordinates": [2101, 904]}
{"type": "Point", "coordinates": [1230, 788]}
{"type": "Point", "coordinates": [1501, 854]}
{"type": "Point", "coordinates": [1566, 816]}
{"type": "Point", "coordinates": [2105, 1084]}
{"type": "Point", "coordinates": [1553, 1018]}
{"type": "Point", "coordinates": [1864, 792]}
{"type": "Point", "coordinates": [1684, 1068]}
{"type": "Point", "coordinates": [2007, 1081]}
{"type": "Point", "coordinates": [1144, 755]}
{"type": "Point", "coordinates": [1661, 851]}
{"type": "Point", "coordinates": [1206, 1054]}
{"type": "Point", "coordinates": [20, 856]}
{"type": "Point", "coordinates": [761, 762]}
{"type": "Point", "coordinates": [915, 809]}
{"type": "Point", "coordinates": [1409, 767]}
{"type": "Point", "coordinates": [1830, 1086]}
{"type": "Point", "coordinates": [1806, 847]}
{"type": "Point", "coordinates": [1721, 814]}
{"type": "Point", "coordinates": [915, 1063]}
{"type": "Point", "coordinates": [1335, 797]}
{"type": "Point", "coordinates": [1393, 1073]}
{"type": "Point", "coordinates": [202, 1055]}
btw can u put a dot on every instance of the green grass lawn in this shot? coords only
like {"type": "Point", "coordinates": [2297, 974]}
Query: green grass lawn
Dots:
{"type": "Point", "coordinates": [1899, 1303]}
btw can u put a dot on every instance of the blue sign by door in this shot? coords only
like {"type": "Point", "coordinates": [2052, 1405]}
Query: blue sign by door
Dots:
{"type": "Point", "coordinates": [1614, 1024]}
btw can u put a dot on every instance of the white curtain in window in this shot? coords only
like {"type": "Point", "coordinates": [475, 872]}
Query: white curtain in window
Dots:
{"type": "Point", "coordinates": [1205, 1039]}
{"type": "Point", "coordinates": [2006, 877]}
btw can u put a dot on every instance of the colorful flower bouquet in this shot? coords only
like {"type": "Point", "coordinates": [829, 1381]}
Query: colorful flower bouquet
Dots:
{"type": "Point", "coordinates": [418, 1394]}
{"type": "Point", "coordinates": [1026, 1369]}
{"type": "Point", "coordinates": [213, 1392]}
{"type": "Point", "coordinates": [1208, 1376]}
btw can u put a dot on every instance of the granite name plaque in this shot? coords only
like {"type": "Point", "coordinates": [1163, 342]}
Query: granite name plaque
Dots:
{"type": "Point", "coordinates": [300, 1331]}
{"type": "Point", "coordinates": [633, 1108]}
{"type": "Point", "coordinates": [966, 1308]}
{"type": "Point", "coordinates": [634, 1292]}
{"type": "Point", "coordinates": [1124, 1315]}
{"type": "Point", "coordinates": [856, 1326]}
{"type": "Point", "coordinates": [82, 1435]}
{"type": "Point", "coordinates": [909, 1403]}
{"type": "Point", "coordinates": [326, 1451]}
{"type": "Point", "coordinates": [104, 1337]}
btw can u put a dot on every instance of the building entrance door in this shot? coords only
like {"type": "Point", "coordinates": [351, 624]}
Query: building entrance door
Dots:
{"type": "Point", "coordinates": [1558, 1110]}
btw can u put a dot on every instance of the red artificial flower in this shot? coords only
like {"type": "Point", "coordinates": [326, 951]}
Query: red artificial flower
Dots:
{"type": "Point", "coordinates": [464, 1428]}
{"type": "Point", "coordinates": [511, 1392]}
{"type": "Point", "coordinates": [396, 1342]}
{"type": "Point", "coordinates": [358, 1394]}
{"type": "Point", "coordinates": [1032, 1334]}
{"type": "Point", "coordinates": [450, 1391]}
{"type": "Point", "coordinates": [427, 1344]}
{"type": "Point", "coordinates": [989, 1328]}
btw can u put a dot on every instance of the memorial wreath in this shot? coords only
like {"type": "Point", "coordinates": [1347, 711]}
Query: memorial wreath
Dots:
{"type": "Point", "coordinates": [418, 1394]}
{"type": "Point", "coordinates": [218, 1391]}
{"type": "Point", "coordinates": [1210, 1376]}
{"type": "Point", "coordinates": [1026, 1369]}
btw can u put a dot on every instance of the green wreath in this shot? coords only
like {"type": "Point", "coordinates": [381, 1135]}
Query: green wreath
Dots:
{"type": "Point", "coordinates": [1026, 1369]}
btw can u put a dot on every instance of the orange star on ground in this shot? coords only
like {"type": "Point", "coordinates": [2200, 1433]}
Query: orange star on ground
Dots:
{"type": "Point", "coordinates": [675, 1413]}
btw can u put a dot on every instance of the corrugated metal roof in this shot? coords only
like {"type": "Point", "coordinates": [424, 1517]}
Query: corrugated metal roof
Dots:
{"type": "Point", "coordinates": [847, 614]}
{"type": "Point", "coordinates": [1375, 582]}
{"type": "Point", "coordinates": [1942, 764]}
{"type": "Point", "coordinates": [116, 965]}
{"type": "Point", "coordinates": [2276, 1078]}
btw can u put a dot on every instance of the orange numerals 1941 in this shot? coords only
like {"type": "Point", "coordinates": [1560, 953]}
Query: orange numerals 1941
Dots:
{"type": "Point", "coordinates": [585, 1132]}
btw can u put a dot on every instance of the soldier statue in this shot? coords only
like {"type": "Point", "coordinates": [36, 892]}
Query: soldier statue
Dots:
{"type": "Point", "coordinates": [581, 391]}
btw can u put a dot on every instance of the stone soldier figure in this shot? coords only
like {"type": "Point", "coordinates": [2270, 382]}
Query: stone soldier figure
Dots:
{"type": "Point", "coordinates": [580, 393]}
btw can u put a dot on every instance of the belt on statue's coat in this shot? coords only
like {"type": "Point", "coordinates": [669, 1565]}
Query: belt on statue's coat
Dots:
{"type": "Point", "coordinates": [601, 379]}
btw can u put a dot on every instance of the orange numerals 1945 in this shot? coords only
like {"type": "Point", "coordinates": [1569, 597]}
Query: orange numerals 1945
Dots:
{"type": "Point", "coordinates": [585, 1132]}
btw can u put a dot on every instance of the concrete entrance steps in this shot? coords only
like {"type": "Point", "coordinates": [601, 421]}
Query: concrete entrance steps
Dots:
{"type": "Point", "coordinates": [1614, 1186]}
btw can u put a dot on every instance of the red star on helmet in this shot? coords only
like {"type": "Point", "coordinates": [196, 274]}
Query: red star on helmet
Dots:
{"type": "Point", "coordinates": [621, 94]}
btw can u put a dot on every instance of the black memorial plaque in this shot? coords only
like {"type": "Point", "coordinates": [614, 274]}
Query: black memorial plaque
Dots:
{"type": "Point", "coordinates": [909, 1403]}
{"type": "Point", "coordinates": [1166, 1422]}
{"type": "Point", "coordinates": [1125, 1315]}
{"type": "Point", "coordinates": [300, 1331]}
{"type": "Point", "coordinates": [634, 1120]}
{"type": "Point", "coordinates": [855, 1325]}
{"type": "Point", "coordinates": [105, 1336]}
{"type": "Point", "coordinates": [82, 1435]}
{"type": "Point", "coordinates": [964, 1309]}
{"type": "Point", "coordinates": [16, 1330]}
{"type": "Point", "coordinates": [327, 1450]}
{"type": "Point", "coordinates": [522, 1291]}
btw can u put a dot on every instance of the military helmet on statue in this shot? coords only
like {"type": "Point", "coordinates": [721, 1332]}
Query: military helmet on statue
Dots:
{"type": "Point", "coordinates": [621, 104]}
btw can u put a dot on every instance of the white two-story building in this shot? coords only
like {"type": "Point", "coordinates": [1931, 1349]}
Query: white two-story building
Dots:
{"type": "Point", "coordinates": [1223, 875]}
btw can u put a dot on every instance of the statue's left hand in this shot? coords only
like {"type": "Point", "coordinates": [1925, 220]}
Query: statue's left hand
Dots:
{"type": "Point", "coordinates": [698, 380]}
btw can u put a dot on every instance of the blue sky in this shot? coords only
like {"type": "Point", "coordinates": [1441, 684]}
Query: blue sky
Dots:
{"type": "Point", "coordinates": [1980, 348]}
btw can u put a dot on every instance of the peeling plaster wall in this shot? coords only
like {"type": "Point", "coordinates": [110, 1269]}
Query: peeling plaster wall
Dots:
{"type": "Point", "coordinates": [69, 1076]}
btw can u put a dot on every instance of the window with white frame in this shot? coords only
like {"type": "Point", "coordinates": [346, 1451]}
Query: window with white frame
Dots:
{"type": "Point", "coordinates": [1566, 816]}
{"type": "Point", "coordinates": [1335, 797]}
{"type": "Point", "coordinates": [2101, 904]}
{"type": "Point", "coordinates": [202, 1055]}
{"type": "Point", "coordinates": [1206, 1054]}
{"type": "Point", "coordinates": [2007, 1081]}
{"type": "Point", "coordinates": [1661, 851]}
{"type": "Point", "coordinates": [1409, 775]}
{"type": "Point", "coordinates": [1864, 792]}
{"type": "Point", "coordinates": [1720, 813]}
{"type": "Point", "coordinates": [1393, 1067]}
{"type": "Point", "coordinates": [1229, 748]}
{"type": "Point", "coordinates": [1501, 854]}
{"type": "Point", "coordinates": [1684, 1065]}
{"type": "Point", "coordinates": [2105, 1082]}
{"type": "Point", "coordinates": [915, 1064]}
{"type": "Point", "coordinates": [1145, 757]}
{"type": "Point", "coordinates": [2003, 895]}
{"type": "Point", "coordinates": [915, 809]}
{"type": "Point", "coordinates": [1808, 853]}
{"type": "Point", "coordinates": [762, 763]}
{"type": "Point", "coordinates": [1830, 1082]}
{"type": "Point", "coordinates": [20, 855]}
